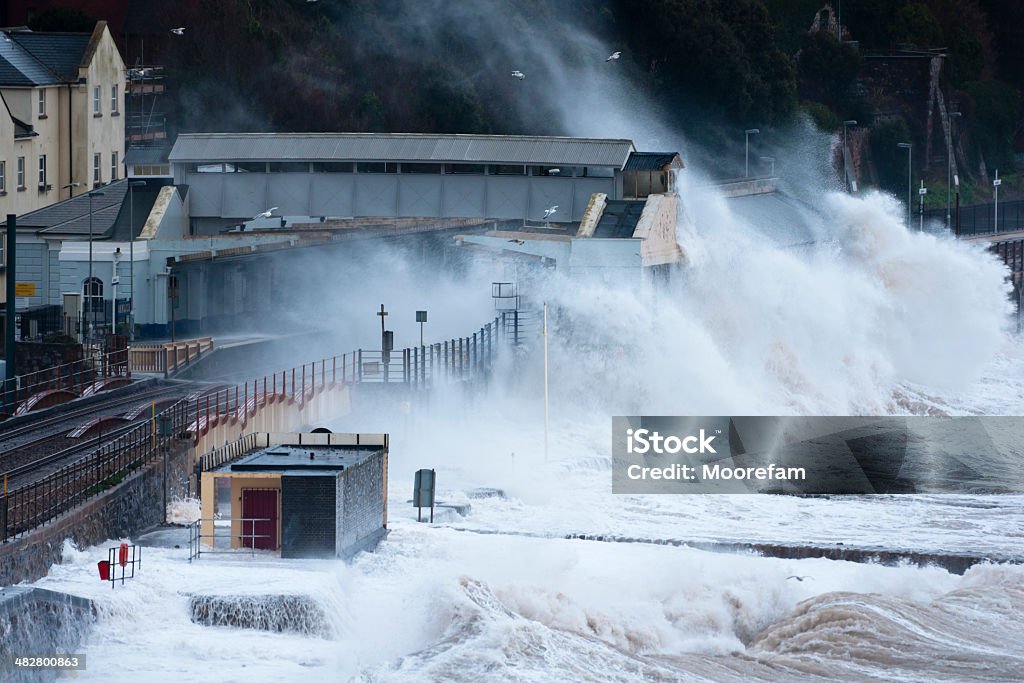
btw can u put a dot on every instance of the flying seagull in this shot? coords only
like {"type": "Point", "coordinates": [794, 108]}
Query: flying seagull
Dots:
{"type": "Point", "coordinates": [180, 31]}
{"type": "Point", "coordinates": [550, 211]}
{"type": "Point", "coordinates": [800, 578]}
{"type": "Point", "coordinates": [614, 55]}
{"type": "Point", "coordinates": [265, 214]}
{"type": "Point", "coordinates": [518, 74]}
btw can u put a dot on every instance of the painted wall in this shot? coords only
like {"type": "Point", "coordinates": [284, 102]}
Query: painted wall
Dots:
{"type": "Point", "coordinates": [67, 161]}
{"type": "Point", "coordinates": [241, 196]}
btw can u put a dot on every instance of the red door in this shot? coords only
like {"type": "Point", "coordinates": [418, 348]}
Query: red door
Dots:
{"type": "Point", "coordinates": [259, 504]}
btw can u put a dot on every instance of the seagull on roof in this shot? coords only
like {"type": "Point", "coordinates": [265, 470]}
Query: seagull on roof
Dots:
{"type": "Point", "coordinates": [799, 578]}
{"type": "Point", "coordinates": [614, 55]}
{"type": "Point", "coordinates": [180, 31]}
{"type": "Point", "coordinates": [550, 211]}
{"type": "Point", "coordinates": [265, 214]}
{"type": "Point", "coordinates": [518, 74]}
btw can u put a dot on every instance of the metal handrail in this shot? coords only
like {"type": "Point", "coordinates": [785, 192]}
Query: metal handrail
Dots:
{"type": "Point", "coordinates": [196, 536]}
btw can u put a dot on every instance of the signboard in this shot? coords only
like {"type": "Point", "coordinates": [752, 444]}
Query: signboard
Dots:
{"type": "Point", "coordinates": [24, 289]}
{"type": "Point", "coordinates": [421, 316]}
{"type": "Point", "coordinates": [423, 492]}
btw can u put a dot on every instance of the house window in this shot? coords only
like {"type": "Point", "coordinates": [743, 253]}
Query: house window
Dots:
{"type": "Point", "coordinates": [21, 173]}
{"type": "Point", "coordinates": [42, 101]}
{"type": "Point", "coordinates": [97, 176]}
{"type": "Point", "coordinates": [92, 293]}
{"type": "Point", "coordinates": [42, 170]}
{"type": "Point", "coordinates": [3, 176]}
{"type": "Point", "coordinates": [113, 166]}
{"type": "Point", "coordinates": [96, 101]}
{"type": "Point", "coordinates": [113, 99]}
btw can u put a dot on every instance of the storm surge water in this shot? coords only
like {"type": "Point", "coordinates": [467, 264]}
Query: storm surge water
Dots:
{"type": "Point", "coordinates": [866, 317]}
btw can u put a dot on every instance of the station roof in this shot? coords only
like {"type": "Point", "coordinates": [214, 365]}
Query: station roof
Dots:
{"type": "Point", "coordinates": [296, 459]}
{"type": "Point", "coordinates": [653, 161]}
{"type": "Point", "coordinates": [411, 147]}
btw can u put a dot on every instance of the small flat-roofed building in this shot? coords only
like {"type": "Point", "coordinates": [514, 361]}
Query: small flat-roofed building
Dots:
{"type": "Point", "coordinates": [305, 495]}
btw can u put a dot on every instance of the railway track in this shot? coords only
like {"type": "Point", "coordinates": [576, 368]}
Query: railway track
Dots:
{"type": "Point", "coordinates": [58, 425]}
{"type": "Point", "coordinates": [31, 461]}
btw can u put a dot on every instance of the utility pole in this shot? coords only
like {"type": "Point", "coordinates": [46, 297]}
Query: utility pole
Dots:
{"type": "Point", "coordinates": [910, 150]}
{"type": "Point", "coordinates": [10, 251]}
{"type": "Point", "coordinates": [545, 381]}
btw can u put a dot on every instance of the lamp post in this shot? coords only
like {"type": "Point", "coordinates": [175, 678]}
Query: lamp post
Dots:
{"type": "Point", "coordinates": [92, 285]}
{"type": "Point", "coordinates": [421, 317]}
{"type": "Point", "coordinates": [949, 168]}
{"type": "Point", "coordinates": [846, 174]}
{"type": "Point", "coordinates": [995, 186]}
{"type": "Point", "coordinates": [746, 148]}
{"type": "Point", "coordinates": [131, 256]}
{"type": "Point", "coordinates": [770, 160]}
{"type": "Point", "coordinates": [909, 147]}
{"type": "Point", "coordinates": [71, 187]}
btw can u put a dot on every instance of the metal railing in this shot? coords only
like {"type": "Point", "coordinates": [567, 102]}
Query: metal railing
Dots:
{"type": "Point", "coordinates": [196, 537]}
{"type": "Point", "coordinates": [75, 377]}
{"type": "Point", "coordinates": [980, 219]}
{"type": "Point", "coordinates": [168, 357]}
{"type": "Point", "coordinates": [34, 504]}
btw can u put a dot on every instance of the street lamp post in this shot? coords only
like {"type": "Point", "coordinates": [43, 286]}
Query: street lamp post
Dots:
{"type": "Point", "coordinates": [131, 257]}
{"type": "Point", "coordinates": [995, 186]}
{"type": "Point", "coordinates": [846, 174]}
{"type": "Point", "coordinates": [949, 168]}
{"type": "Point", "coordinates": [770, 160]}
{"type": "Point", "coordinates": [92, 285]}
{"type": "Point", "coordinates": [746, 148]}
{"type": "Point", "coordinates": [71, 187]}
{"type": "Point", "coordinates": [909, 147]}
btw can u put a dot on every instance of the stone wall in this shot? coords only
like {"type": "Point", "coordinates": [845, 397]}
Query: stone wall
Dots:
{"type": "Point", "coordinates": [363, 498]}
{"type": "Point", "coordinates": [34, 621]}
{"type": "Point", "coordinates": [130, 507]}
{"type": "Point", "coordinates": [35, 356]}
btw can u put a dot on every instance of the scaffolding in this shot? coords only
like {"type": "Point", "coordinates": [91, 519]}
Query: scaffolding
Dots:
{"type": "Point", "coordinates": [146, 121]}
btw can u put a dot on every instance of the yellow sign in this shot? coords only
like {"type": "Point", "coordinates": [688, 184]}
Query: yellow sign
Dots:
{"type": "Point", "coordinates": [24, 289]}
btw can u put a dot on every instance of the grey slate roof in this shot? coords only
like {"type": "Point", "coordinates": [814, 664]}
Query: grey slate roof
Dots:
{"type": "Point", "coordinates": [508, 149]}
{"type": "Point", "coordinates": [71, 216]}
{"type": "Point", "coordinates": [19, 68]}
{"type": "Point", "coordinates": [28, 59]}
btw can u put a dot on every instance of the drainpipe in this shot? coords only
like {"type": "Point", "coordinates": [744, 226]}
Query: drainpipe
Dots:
{"type": "Point", "coordinates": [71, 148]}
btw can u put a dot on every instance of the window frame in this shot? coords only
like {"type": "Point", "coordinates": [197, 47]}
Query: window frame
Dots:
{"type": "Point", "coordinates": [114, 108]}
{"type": "Point", "coordinates": [41, 109]}
{"type": "Point", "coordinates": [97, 107]}
{"type": "Point", "coordinates": [42, 170]}
{"type": "Point", "coordinates": [3, 176]}
{"type": "Point", "coordinates": [97, 168]}
{"type": "Point", "coordinates": [21, 173]}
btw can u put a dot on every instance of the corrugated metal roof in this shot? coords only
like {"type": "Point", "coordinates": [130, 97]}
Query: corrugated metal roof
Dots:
{"type": "Point", "coordinates": [71, 216]}
{"type": "Point", "coordinates": [145, 156]}
{"type": "Point", "coordinates": [651, 161]}
{"type": "Point", "coordinates": [543, 151]}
